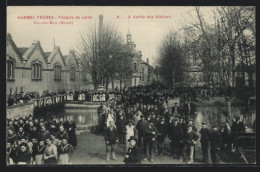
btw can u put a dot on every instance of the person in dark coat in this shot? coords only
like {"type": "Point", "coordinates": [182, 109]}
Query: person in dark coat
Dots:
{"type": "Point", "coordinates": [176, 137]}
{"type": "Point", "coordinates": [38, 151]}
{"type": "Point", "coordinates": [21, 134]}
{"type": "Point", "coordinates": [62, 133]}
{"type": "Point", "coordinates": [71, 129]}
{"type": "Point", "coordinates": [237, 129]}
{"type": "Point", "coordinates": [12, 137]}
{"type": "Point", "coordinates": [23, 155]}
{"type": "Point", "coordinates": [43, 134]}
{"type": "Point", "coordinates": [140, 126]}
{"type": "Point", "coordinates": [215, 145]}
{"type": "Point", "coordinates": [10, 154]}
{"type": "Point", "coordinates": [151, 134]}
{"type": "Point", "coordinates": [204, 140]}
{"type": "Point", "coordinates": [191, 123]}
{"type": "Point", "coordinates": [162, 128]}
{"type": "Point", "coordinates": [121, 128]}
{"type": "Point", "coordinates": [184, 129]}
{"type": "Point", "coordinates": [190, 141]}
{"type": "Point", "coordinates": [111, 139]}
{"type": "Point", "coordinates": [224, 144]}
{"type": "Point", "coordinates": [133, 155]}
{"type": "Point", "coordinates": [33, 133]}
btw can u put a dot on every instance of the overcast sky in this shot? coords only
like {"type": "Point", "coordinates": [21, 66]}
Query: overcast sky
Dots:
{"type": "Point", "coordinates": [146, 33]}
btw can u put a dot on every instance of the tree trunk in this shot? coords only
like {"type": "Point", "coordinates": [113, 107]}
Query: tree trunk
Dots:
{"type": "Point", "coordinates": [112, 83]}
{"type": "Point", "coordinates": [120, 85]}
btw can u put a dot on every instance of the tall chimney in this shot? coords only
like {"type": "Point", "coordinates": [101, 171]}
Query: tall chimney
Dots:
{"type": "Point", "coordinates": [100, 26]}
{"type": "Point", "coordinates": [147, 60]}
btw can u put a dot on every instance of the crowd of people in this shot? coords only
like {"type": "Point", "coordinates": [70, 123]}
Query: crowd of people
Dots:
{"type": "Point", "coordinates": [138, 117]}
{"type": "Point", "coordinates": [142, 122]}
{"type": "Point", "coordinates": [40, 141]}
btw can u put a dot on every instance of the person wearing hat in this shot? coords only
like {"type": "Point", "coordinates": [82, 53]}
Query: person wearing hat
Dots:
{"type": "Point", "coordinates": [130, 131]}
{"type": "Point", "coordinates": [133, 155]}
{"type": "Point", "coordinates": [191, 122]}
{"type": "Point", "coordinates": [190, 138]}
{"type": "Point", "coordinates": [111, 138]}
{"type": "Point", "coordinates": [175, 138]}
{"type": "Point", "coordinates": [121, 127]}
{"type": "Point", "coordinates": [162, 128]}
{"type": "Point", "coordinates": [215, 145]}
{"type": "Point", "coordinates": [151, 134]}
{"type": "Point", "coordinates": [237, 129]}
{"type": "Point", "coordinates": [140, 128]}
{"type": "Point", "coordinates": [110, 116]}
{"type": "Point", "coordinates": [204, 140]}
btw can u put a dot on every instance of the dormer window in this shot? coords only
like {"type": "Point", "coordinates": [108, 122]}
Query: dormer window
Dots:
{"type": "Point", "coordinates": [36, 69]}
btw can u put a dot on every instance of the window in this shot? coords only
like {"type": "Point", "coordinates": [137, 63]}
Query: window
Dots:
{"type": "Point", "coordinates": [36, 70]}
{"type": "Point", "coordinates": [135, 67]}
{"type": "Point", "coordinates": [72, 73]}
{"type": "Point", "coordinates": [10, 68]}
{"type": "Point", "coordinates": [57, 72]}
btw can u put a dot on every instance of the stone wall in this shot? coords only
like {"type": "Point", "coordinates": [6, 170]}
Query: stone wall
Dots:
{"type": "Point", "coordinates": [17, 111]}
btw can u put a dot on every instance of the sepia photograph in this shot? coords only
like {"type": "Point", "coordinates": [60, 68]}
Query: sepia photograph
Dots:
{"type": "Point", "coordinates": [130, 85]}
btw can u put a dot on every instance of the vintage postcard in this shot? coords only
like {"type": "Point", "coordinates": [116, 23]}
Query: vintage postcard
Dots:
{"type": "Point", "coordinates": [130, 85]}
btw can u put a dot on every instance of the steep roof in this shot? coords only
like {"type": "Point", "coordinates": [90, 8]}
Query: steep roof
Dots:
{"type": "Point", "coordinates": [51, 55]}
{"type": "Point", "coordinates": [31, 49]}
{"type": "Point", "coordinates": [10, 40]}
{"type": "Point", "coordinates": [23, 49]}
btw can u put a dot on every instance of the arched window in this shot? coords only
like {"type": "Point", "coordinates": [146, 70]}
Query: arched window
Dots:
{"type": "Point", "coordinates": [10, 67]}
{"type": "Point", "coordinates": [72, 73]}
{"type": "Point", "coordinates": [57, 71]}
{"type": "Point", "coordinates": [36, 69]}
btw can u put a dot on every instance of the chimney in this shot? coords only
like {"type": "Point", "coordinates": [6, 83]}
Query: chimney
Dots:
{"type": "Point", "coordinates": [147, 60]}
{"type": "Point", "coordinates": [36, 42]}
{"type": "Point", "coordinates": [134, 45]}
{"type": "Point", "coordinates": [100, 26]}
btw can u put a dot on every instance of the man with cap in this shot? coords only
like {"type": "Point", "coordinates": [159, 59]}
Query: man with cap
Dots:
{"type": "Point", "coordinates": [204, 140]}
{"type": "Point", "coordinates": [140, 126]}
{"type": "Point", "coordinates": [111, 138]}
{"type": "Point", "coordinates": [190, 141]}
{"type": "Point", "coordinates": [237, 129]}
{"type": "Point", "coordinates": [133, 155]}
{"type": "Point", "coordinates": [190, 122]}
{"type": "Point", "coordinates": [162, 128]}
{"type": "Point", "coordinates": [151, 134]}
{"type": "Point", "coordinates": [215, 145]}
{"type": "Point", "coordinates": [176, 137]}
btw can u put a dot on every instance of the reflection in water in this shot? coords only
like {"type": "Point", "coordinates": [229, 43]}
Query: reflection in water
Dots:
{"type": "Point", "coordinates": [210, 115]}
{"type": "Point", "coordinates": [83, 117]}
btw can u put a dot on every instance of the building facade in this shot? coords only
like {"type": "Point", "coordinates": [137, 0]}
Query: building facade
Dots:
{"type": "Point", "coordinates": [30, 69]}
